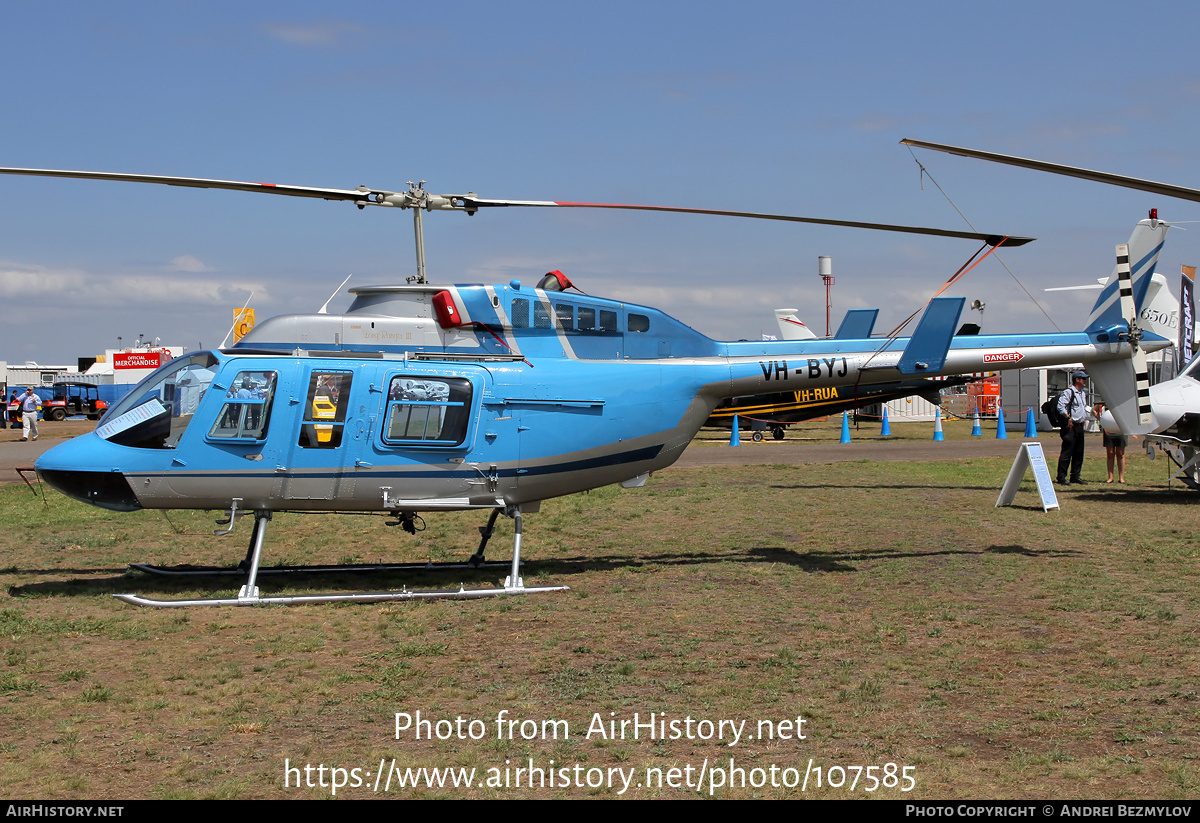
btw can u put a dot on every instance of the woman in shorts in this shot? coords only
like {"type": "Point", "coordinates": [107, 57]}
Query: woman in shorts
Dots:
{"type": "Point", "coordinates": [1114, 449]}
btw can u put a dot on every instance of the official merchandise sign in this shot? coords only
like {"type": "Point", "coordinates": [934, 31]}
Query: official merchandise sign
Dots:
{"type": "Point", "coordinates": [139, 360]}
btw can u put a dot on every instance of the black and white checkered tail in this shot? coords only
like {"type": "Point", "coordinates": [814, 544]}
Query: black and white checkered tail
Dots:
{"type": "Point", "coordinates": [1134, 335]}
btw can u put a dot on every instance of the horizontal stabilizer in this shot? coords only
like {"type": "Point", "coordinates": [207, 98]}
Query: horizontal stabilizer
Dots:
{"type": "Point", "coordinates": [926, 351]}
{"type": "Point", "coordinates": [857, 324]}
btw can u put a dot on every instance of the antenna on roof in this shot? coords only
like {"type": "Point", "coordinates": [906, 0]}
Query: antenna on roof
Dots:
{"type": "Point", "coordinates": [325, 308]}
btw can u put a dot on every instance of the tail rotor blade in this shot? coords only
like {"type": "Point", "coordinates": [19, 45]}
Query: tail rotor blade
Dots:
{"type": "Point", "coordinates": [1125, 284]}
{"type": "Point", "coordinates": [1142, 378]}
{"type": "Point", "coordinates": [1141, 372]}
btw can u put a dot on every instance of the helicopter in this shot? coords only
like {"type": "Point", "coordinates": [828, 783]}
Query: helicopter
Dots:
{"type": "Point", "coordinates": [426, 397]}
{"type": "Point", "coordinates": [1169, 412]}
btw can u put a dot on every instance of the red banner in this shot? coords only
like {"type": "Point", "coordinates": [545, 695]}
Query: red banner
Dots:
{"type": "Point", "coordinates": [139, 360]}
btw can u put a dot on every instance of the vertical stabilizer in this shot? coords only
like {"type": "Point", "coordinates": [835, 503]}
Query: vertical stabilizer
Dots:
{"type": "Point", "coordinates": [1124, 384]}
{"type": "Point", "coordinates": [791, 327]}
{"type": "Point", "coordinates": [1145, 245]}
{"type": "Point", "coordinates": [857, 324]}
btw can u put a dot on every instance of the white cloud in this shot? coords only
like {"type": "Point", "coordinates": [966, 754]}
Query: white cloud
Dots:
{"type": "Point", "coordinates": [187, 262]}
{"type": "Point", "coordinates": [37, 284]}
{"type": "Point", "coordinates": [321, 33]}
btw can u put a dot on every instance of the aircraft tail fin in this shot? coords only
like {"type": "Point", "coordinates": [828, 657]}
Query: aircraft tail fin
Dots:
{"type": "Point", "coordinates": [1125, 384]}
{"type": "Point", "coordinates": [791, 327]}
{"type": "Point", "coordinates": [857, 324]}
{"type": "Point", "coordinates": [1145, 245]}
{"type": "Point", "coordinates": [927, 348]}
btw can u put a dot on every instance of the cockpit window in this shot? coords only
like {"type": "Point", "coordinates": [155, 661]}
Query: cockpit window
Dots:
{"type": "Point", "coordinates": [427, 411]}
{"type": "Point", "coordinates": [158, 410]}
{"type": "Point", "coordinates": [247, 407]}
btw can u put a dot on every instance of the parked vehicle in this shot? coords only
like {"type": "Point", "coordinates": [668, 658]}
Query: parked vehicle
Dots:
{"type": "Point", "coordinates": [72, 399]}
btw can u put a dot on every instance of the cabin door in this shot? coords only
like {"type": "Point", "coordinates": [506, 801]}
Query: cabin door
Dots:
{"type": "Point", "coordinates": [329, 435]}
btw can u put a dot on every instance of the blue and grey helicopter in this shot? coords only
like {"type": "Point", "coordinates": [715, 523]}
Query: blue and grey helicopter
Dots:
{"type": "Point", "coordinates": [423, 398]}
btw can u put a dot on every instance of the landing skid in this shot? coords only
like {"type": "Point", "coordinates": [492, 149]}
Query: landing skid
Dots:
{"type": "Point", "coordinates": [248, 595]}
{"type": "Point", "coordinates": [349, 597]}
{"type": "Point", "coordinates": [214, 571]}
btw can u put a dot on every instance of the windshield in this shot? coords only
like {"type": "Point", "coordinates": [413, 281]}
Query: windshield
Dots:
{"type": "Point", "coordinates": [155, 414]}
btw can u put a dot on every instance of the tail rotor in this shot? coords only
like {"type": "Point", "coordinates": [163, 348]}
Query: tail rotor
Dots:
{"type": "Point", "coordinates": [1133, 335]}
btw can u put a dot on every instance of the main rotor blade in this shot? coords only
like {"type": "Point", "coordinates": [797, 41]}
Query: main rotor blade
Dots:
{"type": "Point", "coordinates": [201, 183]}
{"type": "Point", "coordinates": [990, 239]}
{"type": "Point", "coordinates": [1182, 192]}
{"type": "Point", "coordinates": [418, 198]}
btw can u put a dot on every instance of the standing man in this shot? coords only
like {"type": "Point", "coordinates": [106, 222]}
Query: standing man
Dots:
{"type": "Point", "coordinates": [29, 410]}
{"type": "Point", "coordinates": [1073, 407]}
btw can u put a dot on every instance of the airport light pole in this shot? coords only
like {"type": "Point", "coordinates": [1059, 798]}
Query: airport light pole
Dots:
{"type": "Point", "coordinates": [825, 269]}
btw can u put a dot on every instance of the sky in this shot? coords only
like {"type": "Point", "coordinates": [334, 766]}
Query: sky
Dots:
{"type": "Point", "coordinates": [791, 108]}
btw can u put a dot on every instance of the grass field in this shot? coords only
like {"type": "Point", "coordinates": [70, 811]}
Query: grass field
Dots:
{"type": "Point", "coordinates": [996, 653]}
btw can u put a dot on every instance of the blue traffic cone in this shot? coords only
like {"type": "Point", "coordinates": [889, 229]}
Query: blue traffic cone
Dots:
{"type": "Point", "coordinates": [1030, 424]}
{"type": "Point", "coordinates": [845, 428]}
{"type": "Point", "coordinates": [734, 439]}
{"type": "Point", "coordinates": [886, 431]}
{"type": "Point", "coordinates": [1001, 434]}
{"type": "Point", "coordinates": [975, 430]}
{"type": "Point", "coordinates": [937, 427]}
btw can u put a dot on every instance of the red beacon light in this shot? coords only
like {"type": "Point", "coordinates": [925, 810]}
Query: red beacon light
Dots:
{"type": "Point", "coordinates": [447, 313]}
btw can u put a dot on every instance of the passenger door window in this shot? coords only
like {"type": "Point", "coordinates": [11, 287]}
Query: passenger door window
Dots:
{"type": "Point", "coordinates": [325, 410]}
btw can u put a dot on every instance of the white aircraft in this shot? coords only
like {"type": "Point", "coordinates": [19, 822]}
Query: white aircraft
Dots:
{"type": "Point", "coordinates": [1160, 309]}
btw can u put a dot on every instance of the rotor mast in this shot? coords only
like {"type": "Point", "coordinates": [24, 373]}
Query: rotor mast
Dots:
{"type": "Point", "coordinates": [418, 232]}
{"type": "Point", "coordinates": [417, 199]}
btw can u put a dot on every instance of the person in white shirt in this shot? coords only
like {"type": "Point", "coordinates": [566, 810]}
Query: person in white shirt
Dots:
{"type": "Point", "coordinates": [1072, 405]}
{"type": "Point", "coordinates": [29, 410]}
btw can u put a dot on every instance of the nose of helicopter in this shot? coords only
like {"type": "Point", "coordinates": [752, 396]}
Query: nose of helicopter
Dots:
{"type": "Point", "coordinates": [1171, 400]}
{"type": "Point", "coordinates": [79, 469]}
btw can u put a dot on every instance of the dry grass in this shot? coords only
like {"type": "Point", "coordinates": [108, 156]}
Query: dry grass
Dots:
{"type": "Point", "coordinates": [1000, 652]}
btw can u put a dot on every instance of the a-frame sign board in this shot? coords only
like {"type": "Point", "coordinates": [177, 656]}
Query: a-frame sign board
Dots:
{"type": "Point", "coordinates": [1029, 455]}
